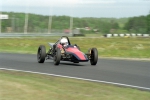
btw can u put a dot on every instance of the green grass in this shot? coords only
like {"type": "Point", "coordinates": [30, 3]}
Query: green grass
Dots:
{"type": "Point", "coordinates": [107, 47]}
{"type": "Point", "coordinates": [26, 86]}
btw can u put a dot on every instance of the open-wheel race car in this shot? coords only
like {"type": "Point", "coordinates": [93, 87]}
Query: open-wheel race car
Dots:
{"type": "Point", "coordinates": [63, 50]}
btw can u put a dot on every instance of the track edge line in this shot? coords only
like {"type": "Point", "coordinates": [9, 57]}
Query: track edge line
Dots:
{"type": "Point", "coordinates": [84, 79]}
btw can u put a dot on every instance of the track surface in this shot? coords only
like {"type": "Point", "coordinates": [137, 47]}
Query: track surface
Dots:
{"type": "Point", "coordinates": [136, 73]}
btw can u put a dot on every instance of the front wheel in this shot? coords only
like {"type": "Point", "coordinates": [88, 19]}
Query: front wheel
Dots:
{"type": "Point", "coordinates": [41, 54]}
{"type": "Point", "coordinates": [94, 56]}
{"type": "Point", "coordinates": [57, 56]}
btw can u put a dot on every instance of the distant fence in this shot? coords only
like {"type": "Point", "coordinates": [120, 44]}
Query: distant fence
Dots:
{"type": "Point", "coordinates": [127, 35]}
{"type": "Point", "coordinates": [32, 34]}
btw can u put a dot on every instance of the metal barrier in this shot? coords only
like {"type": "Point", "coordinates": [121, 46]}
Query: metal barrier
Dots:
{"type": "Point", "coordinates": [127, 35]}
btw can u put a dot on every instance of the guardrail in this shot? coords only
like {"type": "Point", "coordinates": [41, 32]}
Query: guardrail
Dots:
{"type": "Point", "coordinates": [127, 35]}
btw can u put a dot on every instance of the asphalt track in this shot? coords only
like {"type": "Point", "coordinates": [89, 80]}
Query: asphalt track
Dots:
{"type": "Point", "coordinates": [128, 72]}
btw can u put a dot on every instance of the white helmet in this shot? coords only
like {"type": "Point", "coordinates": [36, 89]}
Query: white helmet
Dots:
{"type": "Point", "coordinates": [64, 41]}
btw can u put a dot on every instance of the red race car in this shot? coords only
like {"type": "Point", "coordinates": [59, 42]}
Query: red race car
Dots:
{"type": "Point", "coordinates": [63, 50]}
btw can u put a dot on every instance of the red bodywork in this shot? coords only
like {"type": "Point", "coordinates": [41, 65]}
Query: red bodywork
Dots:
{"type": "Point", "coordinates": [77, 52]}
{"type": "Point", "coordinates": [73, 50]}
{"type": "Point", "coordinates": [59, 46]}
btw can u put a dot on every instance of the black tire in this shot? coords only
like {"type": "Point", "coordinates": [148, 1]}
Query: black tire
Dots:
{"type": "Point", "coordinates": [57, 56]}
{"type": "Point", "coordinates": [94, 56]}
{"type": "Point", "coordinates": [41, 54]}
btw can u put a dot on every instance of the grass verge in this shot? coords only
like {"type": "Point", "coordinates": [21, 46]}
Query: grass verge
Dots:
{"type": "Point", "coordinates": [27, 86]}
{"type": "Point", "coordinates": [107, 47]}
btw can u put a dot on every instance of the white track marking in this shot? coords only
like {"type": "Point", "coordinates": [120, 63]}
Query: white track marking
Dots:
{"type": "Point", "coordinates": [119, 84]}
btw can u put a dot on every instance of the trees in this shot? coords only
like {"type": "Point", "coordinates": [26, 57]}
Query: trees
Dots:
{"type": "Point", "coordinates": [39, 23]}
{"type": "Point", "coordinates": [148, 23]}
{"type": "Point", "coordinates": [137, 24]}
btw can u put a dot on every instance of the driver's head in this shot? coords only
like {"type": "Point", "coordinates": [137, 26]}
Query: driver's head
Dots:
{"type": "Point", "coordinates": [64, 41]}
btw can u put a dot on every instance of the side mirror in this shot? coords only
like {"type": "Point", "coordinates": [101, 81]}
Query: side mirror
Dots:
{"type": "Point", "coordinates": [75, 44]}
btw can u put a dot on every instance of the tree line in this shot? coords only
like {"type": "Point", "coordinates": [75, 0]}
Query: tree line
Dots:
{"type": "Point", "coordinates": [39, 23]}
{"type": "Point", "coordinates": [139, 24]}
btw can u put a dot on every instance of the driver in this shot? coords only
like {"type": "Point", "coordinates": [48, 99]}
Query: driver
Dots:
{"type": "Point", "coordinates": [64, 42]}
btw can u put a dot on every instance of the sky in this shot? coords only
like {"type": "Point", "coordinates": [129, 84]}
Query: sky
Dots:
{"type": "Point", "coordinates": [79, 8]}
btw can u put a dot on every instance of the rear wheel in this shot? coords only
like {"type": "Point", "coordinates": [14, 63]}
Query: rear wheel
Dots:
{"type": "Point", "coordinates": [94, 56]}
{"type": "Point", "coordinates": [41, 54]}
{"type": "Point", "coordinates": [57, 56]}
